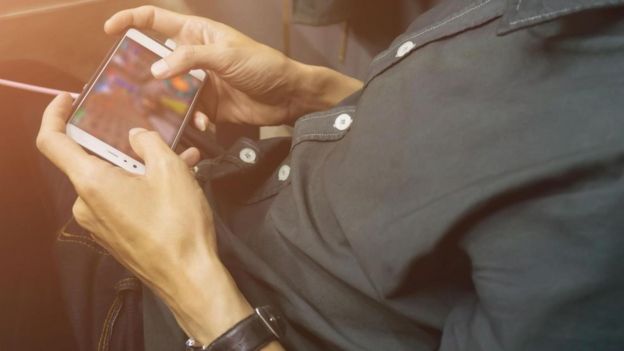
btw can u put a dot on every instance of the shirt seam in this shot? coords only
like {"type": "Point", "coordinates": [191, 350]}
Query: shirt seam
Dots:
{"type": "Point", "coordinates": [453, 17]}
{"type": "Point", "coordinates": [64, 236]}
{"type": "Point", "coordinates": [81, 241]}
{"type": "Point", "coordinates": [560, 11]}
{"type": "Point", "coordinates": [305, 137]}
{"type": "Point", "coordinates": [327, 114]}
{"type": "Point", "coordinates": [268, 193]}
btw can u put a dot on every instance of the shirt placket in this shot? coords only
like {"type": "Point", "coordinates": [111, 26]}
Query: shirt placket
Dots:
{"type": "Point", "coordinates": [331, 125]}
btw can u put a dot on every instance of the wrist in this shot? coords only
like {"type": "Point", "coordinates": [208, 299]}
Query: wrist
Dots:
{"type": "Point", "coordinates": [317, 88]}
{"type": "Point", "coordinates": [206, 301]}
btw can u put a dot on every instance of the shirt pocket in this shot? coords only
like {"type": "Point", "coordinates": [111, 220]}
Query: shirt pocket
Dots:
{"type": "Point", "coordinates": [73, 234]}
{"type": "Point", "coordinates": [122, 328]}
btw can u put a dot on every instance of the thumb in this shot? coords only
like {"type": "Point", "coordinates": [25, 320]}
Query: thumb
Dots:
{"type": "Point", "coordinates": [150, 147]}
{"type": "Point", "coordinates": [185, 58]}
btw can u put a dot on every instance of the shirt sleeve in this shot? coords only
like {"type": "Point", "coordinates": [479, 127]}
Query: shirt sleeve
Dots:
{"type": "Point", "coordinates": [547, 268]}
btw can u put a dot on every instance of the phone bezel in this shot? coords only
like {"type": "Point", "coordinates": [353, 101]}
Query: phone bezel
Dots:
{"type": "Point", "coordinates": [100, 147]}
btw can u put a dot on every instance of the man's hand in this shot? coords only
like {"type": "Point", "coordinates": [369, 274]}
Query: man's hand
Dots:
{"type": "Point", "coordinates": [250, 83]}
{"type": "Point", "coordinates": [159, 225]}
{"type": "Point", "coordinates": [123, 205]}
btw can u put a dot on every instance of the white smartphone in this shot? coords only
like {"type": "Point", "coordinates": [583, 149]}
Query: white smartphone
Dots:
{"type": "Point", "coordinates": [123, 94]}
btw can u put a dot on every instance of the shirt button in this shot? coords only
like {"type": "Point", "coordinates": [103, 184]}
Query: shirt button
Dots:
{"type": "Point", "coordinates": [247, 155]}
{"type": "Point", "coordinates": [283, 173]}
{"type": "Point", "coordinates": [343, 122]}
{"type": "Point", "coordinates": [405, 48]}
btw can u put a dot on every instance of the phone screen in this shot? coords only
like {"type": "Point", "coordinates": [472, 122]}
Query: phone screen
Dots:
{"type": "Point", "coordinates": [126, 95]}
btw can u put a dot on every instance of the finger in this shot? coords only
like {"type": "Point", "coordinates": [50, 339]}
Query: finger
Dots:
{"type": "Point", "coordinates": [187, 57]}
{"type": "Point", "coordinates": [146, 17]}
{"type": "Point", "coordinates": [171, 44]}
{"type": "Point", "coordinates": [201, 121]}
{"type": "Point", "coordinates": [83, 214]}
{"type": "Point", "coordinates": [151, 148]}
{"type": "Point", "coordinates": [86, 218]}
{"type": "Point", "coordinates": [190, 156]}
{"type": "Point", "coordinates": [52, 141]}
{"type": "Point", "coordinates": [210, 99]}
{"type": "Point", "coordinates": [56, 113]}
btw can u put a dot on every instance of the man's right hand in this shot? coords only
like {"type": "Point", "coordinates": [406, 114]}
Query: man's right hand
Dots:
{"type": "Point", "coordinates": [249, 83]}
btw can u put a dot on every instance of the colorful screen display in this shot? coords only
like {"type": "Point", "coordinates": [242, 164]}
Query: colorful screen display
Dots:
{"type": "Point", "coordinates": [126, 95]}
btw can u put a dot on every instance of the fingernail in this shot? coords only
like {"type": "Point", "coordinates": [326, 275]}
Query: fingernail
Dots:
{"type": "Point", "coordinates": [160, 68]}
{"type": "Point", "coordinates": [135, 131]}
{"type": "Point", "coordinates": [201, 121]}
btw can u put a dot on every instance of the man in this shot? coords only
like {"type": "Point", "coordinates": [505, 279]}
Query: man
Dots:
{"type": "Point", "coordinates": [466, 197]}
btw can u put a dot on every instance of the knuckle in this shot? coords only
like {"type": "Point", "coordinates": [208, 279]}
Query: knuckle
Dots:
{"type": "Point", "coordinates": [142, 136]}
{"type": "Point", "coordinates": [152, 134]}
{"type": "Point", "coordinates": [85, 189]}
{"type": "Point", "coordinates": [166, 162]}
{"type": "Point", "coordinates": [187, 54]}
{"type": "Point", "coordinates": [143, 16]}
{"type": "Point", "coordinates": [146, 9]}
{"type": "Point", "coordinates": [40, 142]}
{"type": "Point", "coordinates": [149, 136]}
{"type": "Point", "coordinates": [79, 211]}
{"type": "Point", "coordinates": [87, 184]}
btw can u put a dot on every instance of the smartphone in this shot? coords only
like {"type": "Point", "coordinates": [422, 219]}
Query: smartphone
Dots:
{"type": "Point", "coordinates": [123, 94]}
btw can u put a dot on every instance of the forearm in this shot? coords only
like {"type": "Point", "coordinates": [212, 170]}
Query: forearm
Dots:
{"type": "Point", "coordinates": [206, 301]}
{"type": "Point", "coordinates": [318, 88]}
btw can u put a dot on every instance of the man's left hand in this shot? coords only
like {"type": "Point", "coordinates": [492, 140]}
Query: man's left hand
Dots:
{"type": "Point", "coordinates": [150, 223]}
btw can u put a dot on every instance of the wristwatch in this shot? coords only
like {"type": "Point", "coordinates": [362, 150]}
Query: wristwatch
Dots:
{"type": "Point", "coordinates": [250, 334]}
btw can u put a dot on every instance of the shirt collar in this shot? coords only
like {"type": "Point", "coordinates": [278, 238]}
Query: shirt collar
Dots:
{"type": "Point", "coordinates": [523, 13]}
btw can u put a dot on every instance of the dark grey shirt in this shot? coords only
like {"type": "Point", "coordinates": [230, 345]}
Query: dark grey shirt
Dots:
{"type": "Point", "coordinates": [321, 12]}
{"type": "Point", "coordinates": [469, 198]}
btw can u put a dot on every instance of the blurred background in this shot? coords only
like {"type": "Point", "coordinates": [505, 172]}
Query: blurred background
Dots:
{"type": "Point", "coordinates": [59, 44]}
